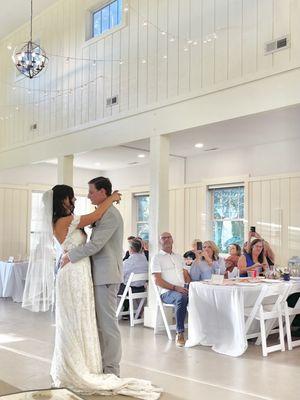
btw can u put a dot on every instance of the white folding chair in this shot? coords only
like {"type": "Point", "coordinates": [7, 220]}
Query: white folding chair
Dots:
{"type": "Point", "coordinates": [128, 295]}
{"type": "Point", "coordinates": [267, 312]}
{"type": "Point", "coordinates": [160, 307]}
{"type": "Point", "coordinates": [289, 314]}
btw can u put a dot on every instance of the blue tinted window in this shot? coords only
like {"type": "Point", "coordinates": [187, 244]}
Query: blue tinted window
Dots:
{"type": "Point", "coordinates": [228, 217]}
{"type": "Point", "coordinates": [97, 23]}
{"type": "Point", "coordinates": [107, 17]}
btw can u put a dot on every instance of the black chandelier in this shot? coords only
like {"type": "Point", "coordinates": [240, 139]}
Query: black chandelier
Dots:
{"type": "Point", "coordinates": [31, 59]}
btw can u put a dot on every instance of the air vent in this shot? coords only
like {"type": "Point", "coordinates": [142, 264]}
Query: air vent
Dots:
{"type": "Point", "coordinates": [111, 101]}
{"type": "Point", "coordinates": [33, 127]}
{"type": "Point", "coordinates": [277, 45]}
{"type": "Point", "coordinates": [133, 163]}
{"type": "Point", "coordinates": [212, 149]}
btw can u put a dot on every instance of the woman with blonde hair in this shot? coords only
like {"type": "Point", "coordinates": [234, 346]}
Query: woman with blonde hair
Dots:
{"type": "Point", "coordinates": [207, 262]}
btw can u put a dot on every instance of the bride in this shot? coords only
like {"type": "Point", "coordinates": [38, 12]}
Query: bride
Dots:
{"type": "Point", "coordinates": [76, 362]}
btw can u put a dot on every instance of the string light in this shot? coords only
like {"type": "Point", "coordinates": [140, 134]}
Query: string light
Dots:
{"type": "Point", "coordinates": [145, 22]}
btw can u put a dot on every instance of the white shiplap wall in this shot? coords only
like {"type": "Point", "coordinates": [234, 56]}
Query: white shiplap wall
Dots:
{"type": "Point", "coordinates": [271, 204]}
{"type": "Point", "coordinates": [242, 27]}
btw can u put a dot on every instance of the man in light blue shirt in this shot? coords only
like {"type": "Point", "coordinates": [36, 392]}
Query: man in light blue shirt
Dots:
{"type": "Point", "coordinates": [137, 263]}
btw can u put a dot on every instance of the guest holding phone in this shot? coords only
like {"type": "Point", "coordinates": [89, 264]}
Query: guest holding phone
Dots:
{"type": "Point", "coordinates": [269, 253]}
{"type": "Point", "coordinates": [254, 259]}
{"type": "Point", "coordinates": [207, 262]}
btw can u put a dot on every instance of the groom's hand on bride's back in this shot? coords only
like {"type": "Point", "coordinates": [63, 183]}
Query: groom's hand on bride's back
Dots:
{"type": "Point", "coordinates": [64, 260]}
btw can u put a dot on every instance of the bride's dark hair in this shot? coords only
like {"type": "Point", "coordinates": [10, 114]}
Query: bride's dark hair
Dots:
{"type": "Point", "coordinates": [60, 193]}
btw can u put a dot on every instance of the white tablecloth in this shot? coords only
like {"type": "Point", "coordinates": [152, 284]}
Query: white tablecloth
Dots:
{"type": "Point", "coordinates": [216, 316]}
{"type": "Point", "coordinates": [12, 279]}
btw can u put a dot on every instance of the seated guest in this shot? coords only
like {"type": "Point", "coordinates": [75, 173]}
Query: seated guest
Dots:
{"type": "Point", "coordinates": [189, 257]}
{"type": "Point", "coordinates": [137, 263]}
{"type": "Point", "coordinates": [129, 239]}
{"type": "Point", "coordinates": [169, 274]}
{"type": "Point", "coordinates": [207, 262]}
{"type": "Point", "coordinates": [269, 253]}
{"type": "Point", "coordinates": [143, 250]}
{"type": "Point", "coordinates": [254, 259]}
{"type": "Point", "coordinates": [234, 254]}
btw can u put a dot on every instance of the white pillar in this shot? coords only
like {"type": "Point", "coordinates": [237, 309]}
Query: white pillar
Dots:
{"type": "Point", "coordinates": [159, 208]}
{"type": "Point", "coordinates": [65, 170]}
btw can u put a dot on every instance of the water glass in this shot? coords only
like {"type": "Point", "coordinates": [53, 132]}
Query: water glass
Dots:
{"type": "Point", "coordinates": [218, 271]}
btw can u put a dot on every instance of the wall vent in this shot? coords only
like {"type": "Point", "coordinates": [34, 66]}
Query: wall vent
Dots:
{"type": "Point", "coordinates": [133, 163]}
{"type": "Point", "coordinates": [111, 101]}
{"type": "Point", "coordinates": [277, 45]}
{"type": "Point", "coordinates": [33, 127]}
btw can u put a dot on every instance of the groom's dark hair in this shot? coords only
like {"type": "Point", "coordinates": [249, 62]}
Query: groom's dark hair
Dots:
{"type": "Point", "coordinates": [102, 183]}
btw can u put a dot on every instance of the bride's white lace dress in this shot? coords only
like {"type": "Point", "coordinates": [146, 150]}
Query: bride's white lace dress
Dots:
{"type": "Point", "coordinates": [76, 362]}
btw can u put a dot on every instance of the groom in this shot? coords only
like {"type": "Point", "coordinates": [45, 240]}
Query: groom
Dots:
{"type": "Point", "coordinates": [105, 250]}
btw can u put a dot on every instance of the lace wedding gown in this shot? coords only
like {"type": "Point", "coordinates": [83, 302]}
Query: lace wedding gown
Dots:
{"type": "Point", "coordinates": [76, 362]}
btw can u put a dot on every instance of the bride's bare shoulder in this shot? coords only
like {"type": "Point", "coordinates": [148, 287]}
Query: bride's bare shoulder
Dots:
{"type": "Point", "coordinates": [63, 223]}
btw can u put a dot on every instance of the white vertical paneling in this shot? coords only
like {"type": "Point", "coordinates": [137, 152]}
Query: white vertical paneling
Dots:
{"type": "Point", "coordinates": [134, 57]}
{"type": "Point", "coordinates": [124, 69]}
{"type": "Point", "coordinates": [184, 51]}
{"type": "Point", "coordinates": [116, 69]}
{"type": "Point", "coordinates": [249, 52]}
{"type": "Point", "coordinates": [162, 49]}
{"type": "Point", "coordinates": [281, 28]}
{"type": "Point", "coordinates": [255, 204]}
{"type": "Point", "coordinates": [196, 47]}
{"type": "Point", "coordinates": [294, 220]}
{"type": "Point", "coordinates": [143, 65]}
{"type": "Point", "coordinates": [294, 31]}
{"type": "Point", "coordinates": [221, 43]}
{"type": "Point", "coordinates": [285, 206]}
{"type": "Point", "coordinates": [265, 27]}
{"type": "Point", "coordinates": [265, 228]}
{"type": "Point", "coordinates": [275, 219]}
{"type": "Point", "coordinates": [208, 62]}
{"type": "Point", "coordinates": [242, 28]}
{"type": "Point", "coordinates": [152, 52]}
{"type": "Point", "coordinates": [100, 101]}
{"type": "Point", "coordinates": [92, 88]}
{"type": "Point", "coordinates": [173, 47]}
{"type": "Point", "coordinates": [235, 18]}
{"type": "Point", "coordinates": [108, 65]}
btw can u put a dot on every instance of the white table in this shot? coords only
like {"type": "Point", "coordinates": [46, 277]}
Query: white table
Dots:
{"type": "Point", "coordinates": [216, 316]}
{"type": "Point", "coordinates": [12, 279]}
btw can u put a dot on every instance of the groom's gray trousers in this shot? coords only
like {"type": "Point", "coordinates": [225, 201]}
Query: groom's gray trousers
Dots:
{"type": "Point", "coordinates": [105, 250]}
{"type": "Point", "coordinates": [107, 322]}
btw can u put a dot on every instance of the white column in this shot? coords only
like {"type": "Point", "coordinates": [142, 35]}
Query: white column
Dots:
{"type": "Point", "coordinates": [159, 208]}
{"type": "Point", "coordinates": [65, 170]}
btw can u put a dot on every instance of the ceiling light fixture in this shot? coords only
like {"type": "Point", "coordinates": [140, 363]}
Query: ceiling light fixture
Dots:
{"type": "Point", "coordinates": [141, 156]}
{"type": "Point", "coordinates": [199, 145]}
{"type": "Point", "coordinates": [31, 59]}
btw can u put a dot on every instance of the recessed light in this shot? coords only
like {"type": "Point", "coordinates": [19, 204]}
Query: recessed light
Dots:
{"type": "Point", "coordinates": [199, 145]}
{"type": "Point", "coordinates": [141, 156]}
{"type": "Point", "coordinates": [97, 164]}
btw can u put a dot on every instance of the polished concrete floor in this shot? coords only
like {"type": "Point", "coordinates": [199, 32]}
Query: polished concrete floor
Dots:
{"type": "Point", "coordinates": [26, 342]}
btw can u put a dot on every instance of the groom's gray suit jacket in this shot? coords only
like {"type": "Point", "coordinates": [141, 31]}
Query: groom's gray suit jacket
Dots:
{"type": "Point", "coordinates": [104, 248]}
